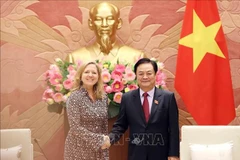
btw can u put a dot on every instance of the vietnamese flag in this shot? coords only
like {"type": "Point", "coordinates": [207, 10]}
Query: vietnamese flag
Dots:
{"type": "Point", "coordinates": [203, 76]}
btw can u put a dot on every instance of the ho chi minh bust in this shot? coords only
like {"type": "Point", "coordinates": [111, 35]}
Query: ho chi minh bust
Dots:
{"type": "Point", "coordinates": [104, 21]}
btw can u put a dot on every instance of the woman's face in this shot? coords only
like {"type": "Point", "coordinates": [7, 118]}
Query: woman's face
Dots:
{"type": "Point", "coordinates": [90, 76]}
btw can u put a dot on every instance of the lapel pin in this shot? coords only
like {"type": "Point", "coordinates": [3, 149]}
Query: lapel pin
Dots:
{"type": "Point", "coordinates": [155, 101]}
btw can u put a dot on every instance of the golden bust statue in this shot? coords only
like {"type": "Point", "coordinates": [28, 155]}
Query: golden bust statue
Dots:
{"type": "Point", "coordinates": [105, 21]}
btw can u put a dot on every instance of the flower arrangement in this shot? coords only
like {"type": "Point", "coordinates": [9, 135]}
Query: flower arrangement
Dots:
{"type": "Point", "coordinates": [59, 79]}
{"type": "Point", "coordinates": [117, 78]}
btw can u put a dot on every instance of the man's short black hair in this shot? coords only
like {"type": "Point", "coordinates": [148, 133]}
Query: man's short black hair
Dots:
{"type": "Point", "coordinates": [146, 60]}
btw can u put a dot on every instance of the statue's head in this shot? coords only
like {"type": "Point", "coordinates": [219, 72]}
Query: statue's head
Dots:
{"type": "Point", "coordinates": [105, 21]}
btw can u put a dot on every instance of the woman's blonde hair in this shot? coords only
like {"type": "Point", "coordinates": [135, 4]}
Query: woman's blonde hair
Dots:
{"type": "Point", "coordinates": [97, 88]}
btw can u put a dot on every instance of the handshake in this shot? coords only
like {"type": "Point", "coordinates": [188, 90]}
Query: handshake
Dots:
{"type": "Point", "coordinates": [106, 143]}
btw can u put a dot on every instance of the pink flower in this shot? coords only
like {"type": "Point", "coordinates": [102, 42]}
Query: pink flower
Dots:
{"type": "Point", "coordinates": [70, 68]}
{"type": "Point", "coordinates": [124, 81]}
{"type": "Point", "coordinates": [58, 97]}
{"type": "Point", "coordinates": [46, 75]}
{"type": "Point", "coordinates": [108, 89]}
{"type": "Point", "coordinates": [55, 78]}
{"type": "Point", "coordinates": [100, 65]}
{"type": "Point", "coordinates": [54, 81]}
{"type": "Point", "coordinates": [117, 85]}
{"type": "Point", "coordinates": [72, 74]}
{"type": "Point", "coordinates": [163, 84]}
{"type": "Point", "coordinates": [129, 74]}
{"type": "Point", "coordinates": [160, 65]}
{"type": "Point", "coordinates": [120, 67]}
{"type": "Point", "coordinates": [116, 74]}
{"type": "Point", "coordinates": [65, 97]}
{"type": "Point", "coordinates": [68, 84]}
{"type": "Point", "coordinates": [54, 74]}
{"type": "Point", "coordinates": [160, 76]}
{"type": "Point", "coordinates": [117, 97]}
{"type": "Point", "coordinates": [58, 87]}
{"type": "Point", "coordinates": [48, 93]}
{"type": "Point", "coordinates": [106, 76]}
{"type": "Point", "coordinates": [79, 63]}
{"type": "Point", "coordinates": [54, 67]}
{"type": "Point", "coordinates": [132, 86]}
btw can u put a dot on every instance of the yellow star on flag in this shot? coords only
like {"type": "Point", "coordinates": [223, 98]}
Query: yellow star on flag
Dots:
{"type": "Point", "coordinates": [202, 40]}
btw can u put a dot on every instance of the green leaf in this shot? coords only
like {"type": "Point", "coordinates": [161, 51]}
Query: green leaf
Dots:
{"type": "Point", "coordinates": [113, 109]}
{"type": "Point", "coordinates": [110, 96]}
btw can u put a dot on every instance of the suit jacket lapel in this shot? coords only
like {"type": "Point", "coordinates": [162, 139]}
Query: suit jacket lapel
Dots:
{"type": "Point", "coordinates": [155, 103]}
{"type": "Point", "coordinates": [139, 108]}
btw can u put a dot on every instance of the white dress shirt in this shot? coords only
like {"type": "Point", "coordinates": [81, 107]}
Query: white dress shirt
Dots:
{"type": "Point", "coordinates": [149, 97]}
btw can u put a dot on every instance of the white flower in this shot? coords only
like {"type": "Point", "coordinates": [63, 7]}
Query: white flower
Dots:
{"type": "Point", "coordinates": [160, 65]}
{"type": "Point", "coordinates": [58, 60]}
{"type": "Point", "coordinates": [153, 59]}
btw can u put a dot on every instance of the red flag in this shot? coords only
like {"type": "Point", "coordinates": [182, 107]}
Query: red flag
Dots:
{"type": "Point", "coordinates": [203, 76]}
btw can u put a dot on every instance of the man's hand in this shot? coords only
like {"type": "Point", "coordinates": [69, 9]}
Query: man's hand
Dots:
{"type": "Point", "coordinates": [173, 158]}
{"type": "Point", "coordinates": [106, 143]}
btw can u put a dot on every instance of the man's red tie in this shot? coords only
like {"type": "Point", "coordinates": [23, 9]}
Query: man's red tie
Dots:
{"type": "Point", "coordinates": [146, 106]}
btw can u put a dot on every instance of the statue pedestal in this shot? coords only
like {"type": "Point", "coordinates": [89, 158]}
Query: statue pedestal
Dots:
{"type": "Point", "coordinates": [119, 150]}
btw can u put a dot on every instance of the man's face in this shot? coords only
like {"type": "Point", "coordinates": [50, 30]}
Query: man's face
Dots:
{"type": "Point", "coordinates": [105, 22]}
{"type": "Point", "coordinates": [146, 76]}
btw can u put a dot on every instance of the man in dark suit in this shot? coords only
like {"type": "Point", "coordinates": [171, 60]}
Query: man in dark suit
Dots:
{"type": "Point", "coordinates": [152, 117]}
